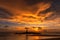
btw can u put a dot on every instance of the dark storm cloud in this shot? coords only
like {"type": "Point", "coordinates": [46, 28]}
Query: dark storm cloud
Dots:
{"type": "Point", "coordinates": [22, 4]}
{"type": "Point", "coordinates": [32, 2]}
{"type": "Point", "coordinates": [4, 13]}
{"type": "Point", "coordinates": [9, 23]}
{"type": "Point", "coordinates": [55, 7]}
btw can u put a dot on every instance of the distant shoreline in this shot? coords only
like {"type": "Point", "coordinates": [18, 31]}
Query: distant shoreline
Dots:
{"type": "Point", "coordinates": [30, 33]}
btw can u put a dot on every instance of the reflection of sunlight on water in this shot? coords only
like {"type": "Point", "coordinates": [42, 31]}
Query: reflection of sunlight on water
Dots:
{"type": "Point", "coordinates": [33, 37]}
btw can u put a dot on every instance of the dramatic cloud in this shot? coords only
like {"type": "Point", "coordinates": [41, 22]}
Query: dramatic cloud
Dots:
{"type": "Point", "coordinates": [8, 23]}
{"type": "Point", "coordinates": [4, 13]}
{"type": "Point", "coordinates": [31, 11]}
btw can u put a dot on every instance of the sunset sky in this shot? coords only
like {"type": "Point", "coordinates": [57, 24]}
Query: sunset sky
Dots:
{"type": "Point", "coordinates": [28, 13]}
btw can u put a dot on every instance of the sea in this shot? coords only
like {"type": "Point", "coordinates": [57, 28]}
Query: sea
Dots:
{"type": "Point", "coordinates": [27, 37]}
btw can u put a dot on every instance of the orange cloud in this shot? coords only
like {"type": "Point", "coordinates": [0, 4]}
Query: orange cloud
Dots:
{"type": "Point", "coordinates": [28, 14]}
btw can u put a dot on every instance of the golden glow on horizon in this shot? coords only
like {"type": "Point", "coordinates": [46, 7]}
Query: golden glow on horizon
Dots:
{"type": "Point", "coordinates": [35, 29]}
